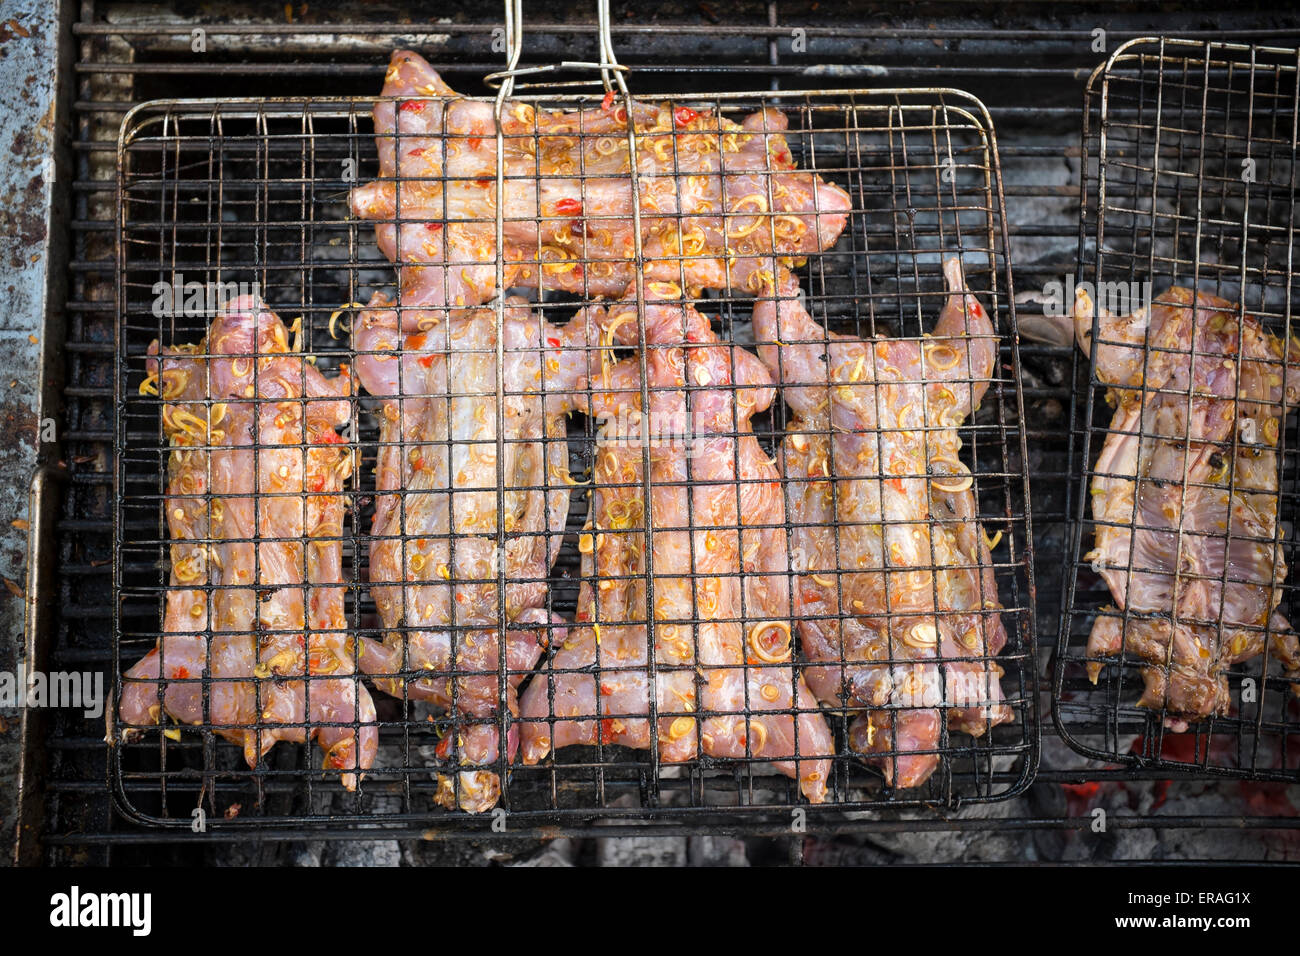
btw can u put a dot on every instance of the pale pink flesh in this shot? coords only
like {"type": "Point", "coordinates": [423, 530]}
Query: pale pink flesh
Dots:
{"type": "Point", "coordinates": [433, 567]}
{"type": "Point", "coordinates": [278, 647]}
{"type": "Point", "coordinates": [701, 508]}
{"type": "Point", "coordinates": [893, 566]}
{"type": "Point", "coordinates": [1166, 467]}
{"type": "Point", "coordinates": [437, 223]}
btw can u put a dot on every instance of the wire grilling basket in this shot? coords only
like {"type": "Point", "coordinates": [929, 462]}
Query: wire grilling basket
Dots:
{"type": "Point", "coordinates": [1189, 159]}
{"type": "Point", "coordinates": [225, 192]}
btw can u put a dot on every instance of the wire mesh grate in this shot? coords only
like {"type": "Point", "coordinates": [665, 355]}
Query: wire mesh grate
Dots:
{"type": "Point", "coordinates": [1027, 69]}
{"type": "Point", "coordinates": [1189, 159]}
{"type": "Point", "coordinates": [256, 192]}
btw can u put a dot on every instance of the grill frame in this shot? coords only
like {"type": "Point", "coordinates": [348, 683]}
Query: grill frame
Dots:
{"type": "Point", "coordinates": [889, 103]}
{"type": "Point", "coordinates": [120, 60]}
{"type": "Point", "coordinates": [1093, 721]}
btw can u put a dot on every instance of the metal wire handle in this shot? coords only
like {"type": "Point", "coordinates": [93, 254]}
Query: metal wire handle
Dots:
{"type": "Point", "coordinates": [609, 67]}
{"type": "Point", "coordinates": [504, 80]}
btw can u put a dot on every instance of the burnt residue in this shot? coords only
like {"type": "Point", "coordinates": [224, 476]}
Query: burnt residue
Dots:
{"type": "Point", "coordinates": [24, 221]}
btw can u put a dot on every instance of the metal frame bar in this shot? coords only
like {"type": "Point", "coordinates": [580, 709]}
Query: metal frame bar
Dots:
{"type": "Point", "coordinates": [905, 112]}
{"type": "Point", "coordinates": [1137, 97]}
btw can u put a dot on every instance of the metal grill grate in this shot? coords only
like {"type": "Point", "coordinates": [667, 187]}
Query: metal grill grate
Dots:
{"type": "Point", "coordinates": [1025, 63]}
{"type": "Point", "coordinates": [253, 191]}
{"type": "Point", "coordinates": [1190, 158]}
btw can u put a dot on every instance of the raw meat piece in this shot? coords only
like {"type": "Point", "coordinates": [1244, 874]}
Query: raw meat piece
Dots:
{"type": "Point", "coordinates": [255, 511]}
{"type": "Point", "coordinates": [722, 642]}
{"type": "Point", "coordinates": [1189, 461]}
{"type": "Point", "coordinates": [894, 568]}
{"type": "Point", "coordinates": [433, 551]}
{"type": "Point", "coordinates": [713, 191]}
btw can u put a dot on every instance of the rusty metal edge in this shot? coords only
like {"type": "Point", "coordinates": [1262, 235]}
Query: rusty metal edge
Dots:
{"type": "Point", "coordinates": [44, 501]}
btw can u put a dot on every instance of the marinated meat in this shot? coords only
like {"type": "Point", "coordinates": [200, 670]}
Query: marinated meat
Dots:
{"type": "Point", "coordinates": [1184, 496]}
{"type": "Point", "coordinates": [712, 193]}
{"type": "Point", "coordinates": [255, 513]}
{"type": "Point", "coordinates": [722, 642]}
{"type": "Point", "coordinates": [894, 568]}
{"type": "Point", "coordinates": [434, 547]}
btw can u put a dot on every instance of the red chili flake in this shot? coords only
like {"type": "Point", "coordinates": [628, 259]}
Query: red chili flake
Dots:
{"type": "Point", "coordinates": [485, 183]}
{"type": "Point", "coordinates": [412, 106]}
{"type": "Point", "coordinates": [475, 142]}
{"type": "Point", "coordinates": [608, 101]}
{"type": "Point", "coordinates": [318, 483]}
{"type": "Point", "coordinates": [329, 437]}
{"type": "Point", "coordinates": [433, 226]}
{"type": "Point", "coordinates": [416, 152]}
{"type": "Point", "coordinates": [684, 114]}
{"type": "Point", "coordinates": [181, 672]}
{"type": "Point", "coordinates": [583, 616]}
{"type": "Point", "coordinates": [607, 733]}
{"type": "Point", "coordinates": [568, 207]}
{"type": "Point", "coordinates": [415, 340]}
{"type": "Point", "coordinates": [553, 342]}
{"type": "Point", "coordinates": [426, 361]}
{"type": "Point", "coordinates": [443, 750]}
{"type": "Point", "coordinates": [606, 690]}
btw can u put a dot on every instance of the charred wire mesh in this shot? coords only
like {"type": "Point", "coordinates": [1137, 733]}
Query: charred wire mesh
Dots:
{"type": "Point", "coordinates": [477, 513]}
{"type": "Point", "coordinates": [1189, 159]}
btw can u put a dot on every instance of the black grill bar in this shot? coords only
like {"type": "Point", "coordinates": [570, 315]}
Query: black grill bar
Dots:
{"type": "Point", "coordinates": [731, 824]}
